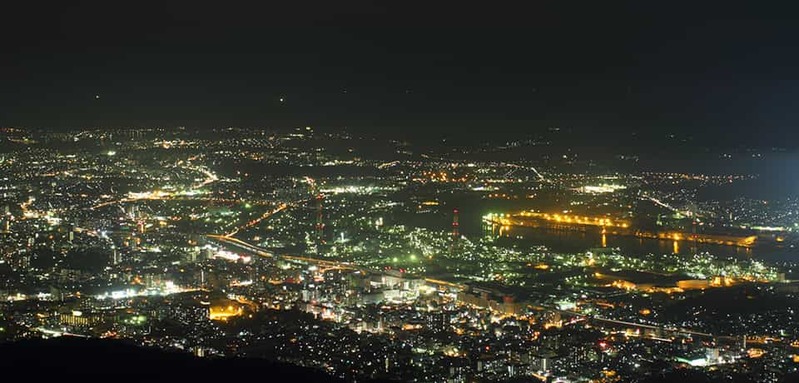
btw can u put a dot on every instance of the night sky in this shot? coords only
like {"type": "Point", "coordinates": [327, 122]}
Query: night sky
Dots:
{"type": "Point", "coordinates": [712, 71]}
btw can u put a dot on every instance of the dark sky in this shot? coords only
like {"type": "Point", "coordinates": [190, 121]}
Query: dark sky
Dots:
{"type": "Point", "coordinates": [712, 70]}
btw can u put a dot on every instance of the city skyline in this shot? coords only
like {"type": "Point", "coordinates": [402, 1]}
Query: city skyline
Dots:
{"type": "Point", "coordinates": [362, 191]}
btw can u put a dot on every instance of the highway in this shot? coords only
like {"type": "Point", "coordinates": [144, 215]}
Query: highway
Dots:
{"type": "Point", "coordinates": [258, 220]}
{"type": "Point", "coordinates": [265, 253]}
{"type": "Point", "coordinates": [325, 263]}
{"type": "Point", "coordinates": [345, 265]}
{"type": "Point", "coordinates": [56, 333]}
{"type": "Point", "coordinates": [632, 324]}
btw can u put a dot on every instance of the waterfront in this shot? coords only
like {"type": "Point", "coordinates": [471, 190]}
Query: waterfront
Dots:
{"type": "Point", "coordinates": [394, 251]}
{"type": "Point", "coordinates": [579, 241]}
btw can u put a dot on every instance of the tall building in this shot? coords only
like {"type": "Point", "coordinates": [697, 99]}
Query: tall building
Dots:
{"type": "Point", "coordinates": [320, 226]}
{"type": "Point", "coordinates": [455, 236]}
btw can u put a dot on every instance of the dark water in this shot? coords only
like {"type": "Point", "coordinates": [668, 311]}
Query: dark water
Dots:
{"type": "Point", "coordinates": [777, 174]}
{"type": "Point", "coordinates": [567, 241]}
{"type": "Point", "coordinates": [471, 225]}
{"type": "Point", "coordinates": [777, 178]}
{"type": "Point", "coordinates": [574, 241]}
{"type": "Point", "coordinates": [578, 241]}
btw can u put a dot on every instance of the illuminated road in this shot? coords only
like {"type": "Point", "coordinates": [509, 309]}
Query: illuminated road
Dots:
{"type": "Point", "coordinates": [661, 204]}
{"type": "Point", "coordinates": [514, 166]}
{"type": "Point", "coordinates": [257, 220]}
{"type": "Point", "coordinates": [667, 206]}
{"type": "Point", "coordinates": [227, 239]}
{"type": "Point", "coordinates": [445, 283]}
{"type": "Point", "coordinates": [241, 244]}
{"type": "Point", "coordinates": [56, 333]}
{"type": "Point", "coordinates": [345, 265]}
{"type": "Point", "coordinates": [632, 324]}
{"type": "Point", "coordinates": [283, 206]}
{"type": "Point", "coordinates": [163, 195]}
{"type": "Point", "coordinates": [209, 177]}
{"type": "Point", "coordinates": [325, 263]}
{"type": "Point", "coordinates": [265, 253]}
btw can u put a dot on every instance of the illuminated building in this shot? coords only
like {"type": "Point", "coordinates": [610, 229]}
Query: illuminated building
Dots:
{"type": "Point", "coordinates": [80, 318]}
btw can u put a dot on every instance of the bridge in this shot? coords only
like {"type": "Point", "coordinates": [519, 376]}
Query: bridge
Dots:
{"type": "Point", "coordinates": [656, 328]}
{"type": "Point", "coordinates": [325, 263]}
{"type": "Point", "coordinates": [337, 265]}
